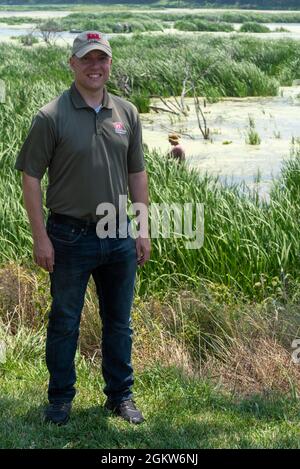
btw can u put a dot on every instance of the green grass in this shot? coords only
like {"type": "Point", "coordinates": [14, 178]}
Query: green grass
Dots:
{"type": "Point", "coordinates": [202, 25]}
{"type": "Point", "coordinates": [27, 39]}
{"type": "Point", "coordinates": [16, 20]}
{"type": "Point", "coordinates": [281, 30]}
{"type": "Point", "coordinates": [252, 16]}
{"type": "Point", "coordinates": [237, 66]}
{"type": "Point", "coordinates": [245, 240]}
{"type": "Point", "coordinates": [209, 330]}
{"type": "Point", "coordinates": [180, 412]}
{"type": "Point", "coordinates": [104, 18]}
{"type": "Point", "coordinates": [108, 22]}
{"type": "Point", "coordinates": [252, 136]}
{"type": "Point", "coordinates": [214, 16]}
{"type": "Point", "coordinates": [253, 27]}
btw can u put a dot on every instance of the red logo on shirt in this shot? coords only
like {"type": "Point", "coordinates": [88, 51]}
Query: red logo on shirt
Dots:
{"type": "Point", "coordinates": [119, 128]}
{"type": "Point", "coordinates": [91, 36]}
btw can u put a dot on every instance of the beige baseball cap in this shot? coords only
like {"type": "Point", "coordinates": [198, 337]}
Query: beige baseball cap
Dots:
{"type": "Point", "coordinates": [173, 138]}
{"type": "Point", "coordinates": [90, 40]}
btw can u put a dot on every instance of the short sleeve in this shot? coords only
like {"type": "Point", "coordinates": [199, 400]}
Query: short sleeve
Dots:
{"type": "Point", "coordinates": [135, 157]}
{"type": "Point", "coordinates": [38, 147]}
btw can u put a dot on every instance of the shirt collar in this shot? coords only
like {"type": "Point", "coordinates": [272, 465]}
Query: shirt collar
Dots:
{"type": "Point", "coordinates": [79, 102]}
{"type": "Point", "coordinates": [107, 101]}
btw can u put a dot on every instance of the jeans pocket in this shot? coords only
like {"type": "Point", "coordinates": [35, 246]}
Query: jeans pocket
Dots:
{"type": "Point", "coordinates": [64, 233]}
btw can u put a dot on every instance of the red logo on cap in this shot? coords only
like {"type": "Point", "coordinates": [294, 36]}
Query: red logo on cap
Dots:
{"type": "Point", "coordinates": [93, 36]}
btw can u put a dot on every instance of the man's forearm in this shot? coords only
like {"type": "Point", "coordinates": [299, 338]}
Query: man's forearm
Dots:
{"type": "Point", "coordinates": [32, 195]}
{"type": "Point", "coordinates": [138, 187]}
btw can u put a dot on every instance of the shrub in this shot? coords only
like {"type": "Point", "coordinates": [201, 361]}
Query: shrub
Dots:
{"type": "Point", "coordinates": [28, 39]}
{"type": "Point", "coordinates": [185, 26]}
{"type": "Point", "coordinates": [202, 25]}
{"type": "Point", "coordinates": [252, 137]}
{"type": "Point", "coordinates": [142, 102]}
{"type": "Point", "coordinates": [252, 27]}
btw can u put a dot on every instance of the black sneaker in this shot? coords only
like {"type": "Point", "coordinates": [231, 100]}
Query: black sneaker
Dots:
{"type": "Point", "coordinates": [126, 409]}
{"type": "Point", "coordinates": [58, 412]}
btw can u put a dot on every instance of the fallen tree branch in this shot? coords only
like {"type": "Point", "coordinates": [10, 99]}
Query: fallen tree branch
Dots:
{"type": "Point", "coordinates": [157, 109]}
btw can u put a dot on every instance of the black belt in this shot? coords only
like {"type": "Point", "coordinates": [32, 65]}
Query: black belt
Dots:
{"type": "Point", "coordinates": [66, 219]}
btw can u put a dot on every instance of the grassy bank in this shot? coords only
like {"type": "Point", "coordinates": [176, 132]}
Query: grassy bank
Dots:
{"type": "Point", "coordinates": [209, 331]}
{"type": "Point", "coordinates": [180, 413]}
{"type": "Point", "coordinates": [241, 395]}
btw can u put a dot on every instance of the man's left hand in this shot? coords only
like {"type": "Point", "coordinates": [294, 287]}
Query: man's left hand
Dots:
{"type": "Point", "coordinates": [143, 248]}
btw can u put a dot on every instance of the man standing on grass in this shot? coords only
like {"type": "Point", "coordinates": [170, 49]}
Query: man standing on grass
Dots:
{"type": "Point", "coordinates": [91, 143]}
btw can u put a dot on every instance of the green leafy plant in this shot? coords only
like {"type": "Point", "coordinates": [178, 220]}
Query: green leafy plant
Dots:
{"type": "Point", "coordinates": [252, 137]}
{"type": "Point", "coordinates": [252, 27]}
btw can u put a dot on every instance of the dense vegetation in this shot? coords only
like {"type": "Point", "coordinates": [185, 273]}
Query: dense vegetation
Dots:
{"type": "Point", "coordinates": [200, 25]}
{"type": "Point", "coordinates": [108, 22]}
{"type": "Point", "coordinates": [253, 27]}
{"type": "Point", "coordinates": [126, 21]}
{"type": "Point", "coordinates": [239, 67]}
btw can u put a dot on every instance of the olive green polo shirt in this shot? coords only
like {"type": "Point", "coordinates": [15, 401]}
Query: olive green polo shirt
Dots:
{"type": "Point", "coordinates": [88, 155]}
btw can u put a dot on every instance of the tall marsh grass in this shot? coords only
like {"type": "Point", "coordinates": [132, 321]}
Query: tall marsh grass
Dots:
{"type": "Point", "coordinates": [108, 22]}
{"type": "Point", "coordinates": [202, 25]}
{"type": "Point", "coordinates": [249, 245]}
{"type": "Point", "coordinates": [237, 16]}
{"type": "Point", "coordinates": [252, 136]}
{"type": "Point", "coordinates": [235, 66]}
{"type": "Point", "coordinates": [253, 27]}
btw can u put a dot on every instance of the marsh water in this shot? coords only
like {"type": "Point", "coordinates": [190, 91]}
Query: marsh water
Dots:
{"type": "Point", "coordinates": [226, 153]}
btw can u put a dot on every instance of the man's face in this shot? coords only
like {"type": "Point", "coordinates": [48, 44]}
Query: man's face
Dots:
{"type": "Point", "coordinates": [92, 70]}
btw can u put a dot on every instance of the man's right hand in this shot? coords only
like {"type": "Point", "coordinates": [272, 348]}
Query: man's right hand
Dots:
{"type": "Point", "coordinates": [43, 253]}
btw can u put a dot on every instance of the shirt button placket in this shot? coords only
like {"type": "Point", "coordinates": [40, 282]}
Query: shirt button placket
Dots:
{"type": "Point", "coordinates": [98, 126]}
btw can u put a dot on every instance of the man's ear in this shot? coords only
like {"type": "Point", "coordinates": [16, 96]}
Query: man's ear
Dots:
{"type": "Point", "coordinates": [71, 64]}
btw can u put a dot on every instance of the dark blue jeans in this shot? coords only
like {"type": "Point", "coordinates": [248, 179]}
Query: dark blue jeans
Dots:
{"type": "Point", "coordinates": [80, 253]}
